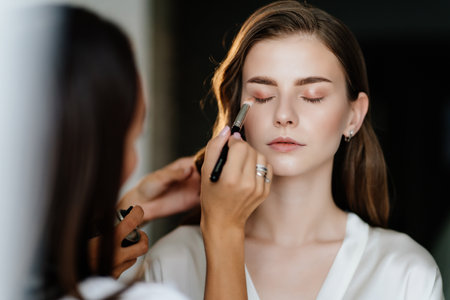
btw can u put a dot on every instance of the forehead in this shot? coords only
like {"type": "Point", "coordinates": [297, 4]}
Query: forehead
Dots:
{"type": "Point", "coordinates": [295, 55]}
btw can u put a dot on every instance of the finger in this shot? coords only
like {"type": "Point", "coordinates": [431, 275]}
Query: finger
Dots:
{"type": "Point", "coordinates": [249, 169]}
{"type": "Point", "coordinates": [237, 156]}
{"type": "Point", "coordinates": [157, 182]}
{"type": "Point", "coordinates": [134, 251]}
{"type": "Point", "coordinates": [118, 270]}
{"type": "Point", "coordinates": [167, 205]}
{"type": "Point", "coordinates": [183, 163]}
{"type": "Point", "coordinates": [268, 180]}
{"type": "Point", "coordinates": [260, 180]}
{"type": "Point", "coordinates": [129, 223]}
{"type": "Point", "coordinates": [178, 170]}
{"type": "Point", "coordinates": [214, 148]}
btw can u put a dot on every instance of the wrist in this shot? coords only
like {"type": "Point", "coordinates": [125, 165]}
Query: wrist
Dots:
{"type": "Point", "coordinates": [215, 234]}
{"type": "Point", "coordinates": [225, 260]}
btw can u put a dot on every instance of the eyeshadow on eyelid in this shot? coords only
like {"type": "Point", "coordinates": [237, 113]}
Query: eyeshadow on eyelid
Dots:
{"type": "Point", "coordinates": [260, 94]}
{"type": "Point", "coordinates": [317, 91]}
{"type": "Point", "coordinates": [314, 94]}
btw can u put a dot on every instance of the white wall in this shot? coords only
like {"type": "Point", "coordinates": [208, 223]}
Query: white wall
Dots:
{"type": "Point", "coordinates": [133, 18]}
{"type": "Point", "coordinates": [25, 133]}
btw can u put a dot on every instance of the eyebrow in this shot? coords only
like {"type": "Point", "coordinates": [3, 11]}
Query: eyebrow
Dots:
{"type": "Point", "coordinates": [302, 81]}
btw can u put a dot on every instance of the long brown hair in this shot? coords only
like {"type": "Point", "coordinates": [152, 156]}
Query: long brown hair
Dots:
{"type": "Point", "coordinates": [97, 90]}
{"type": "Point", "coordinates": [359, 174]}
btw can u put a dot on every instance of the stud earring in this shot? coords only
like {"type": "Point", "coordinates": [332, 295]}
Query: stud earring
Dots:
{"type": "Point", "coordinates": [349, 137]}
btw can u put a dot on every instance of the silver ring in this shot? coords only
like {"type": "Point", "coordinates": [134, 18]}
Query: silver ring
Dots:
{"type": "Point", "coordinates": [261, 170]}
{"type": "Point", "coordinates": [259, 173]}
{"type": "Point", "coordinates": [261, 167]}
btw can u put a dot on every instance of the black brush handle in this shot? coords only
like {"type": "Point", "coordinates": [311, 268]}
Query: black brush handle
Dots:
{"type": "Point", "coordinates": [215, 174]}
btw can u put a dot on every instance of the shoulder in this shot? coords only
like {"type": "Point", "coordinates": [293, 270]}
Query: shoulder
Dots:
{"type": "Point", "coordinates": [400, 248]}
{"type": "Point", "coordinates": [388, 244]}
{"type": "Point", "coordinates": [102, 287]}
{"type": "Point", "coordinates": [396, 257]}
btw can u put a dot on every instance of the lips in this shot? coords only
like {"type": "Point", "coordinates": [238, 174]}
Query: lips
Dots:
{"type": "Point", "coordinates": [284, 144]}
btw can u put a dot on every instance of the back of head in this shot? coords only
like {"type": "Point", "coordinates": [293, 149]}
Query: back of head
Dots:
{"type": "Point", "coordinates": [96, 96]}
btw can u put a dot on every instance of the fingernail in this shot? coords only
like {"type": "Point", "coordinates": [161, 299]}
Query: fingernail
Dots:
{"type": "Point", "coordinates": [237, 135]}
{"type": "Point", "coordinates": [224, 131]}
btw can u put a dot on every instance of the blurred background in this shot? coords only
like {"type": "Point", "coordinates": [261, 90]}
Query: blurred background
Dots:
{"type": "Point", "coordinates": [406, 44]}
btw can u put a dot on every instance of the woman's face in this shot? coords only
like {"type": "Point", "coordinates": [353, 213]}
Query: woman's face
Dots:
{"type": "Point", "coordinates": [301, 109]}
{"type": "Point", "coordinates": [130, 152]}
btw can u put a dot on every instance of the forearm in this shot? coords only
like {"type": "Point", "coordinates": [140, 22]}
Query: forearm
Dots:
{"type": "Point", "coordinates": [225, 260]}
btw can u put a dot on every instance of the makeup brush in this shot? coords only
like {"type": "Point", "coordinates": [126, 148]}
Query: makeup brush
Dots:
{"type": "Point", "coordinates": [237, 125]}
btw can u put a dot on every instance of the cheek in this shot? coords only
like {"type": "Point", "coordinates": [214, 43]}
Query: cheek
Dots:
{"type": "Point", "coordinates": [332, 124]}
{"type": "Point", "coordinates": [253, 126]}
{"type": "Point", "coordinates": [329, 125]}
{"type": "Point", "coordinates": [130, 161]}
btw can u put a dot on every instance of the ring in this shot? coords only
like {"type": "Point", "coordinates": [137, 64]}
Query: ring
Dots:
{"type": "Point", "coordinates": [259, 173]}
{"type": "Point", "coordinates": [262, 169]}
{"type": "Point", "coordinates": [263, 174]}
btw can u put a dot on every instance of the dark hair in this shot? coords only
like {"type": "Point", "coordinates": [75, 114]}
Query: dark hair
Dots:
{"type": "Point", "coordinates": [359, 173]}
{"type": "Point", "coordinates": [97, 90]}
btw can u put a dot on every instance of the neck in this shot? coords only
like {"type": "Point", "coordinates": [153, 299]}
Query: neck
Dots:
{"type": "Point", "coordinates": [299, 210]}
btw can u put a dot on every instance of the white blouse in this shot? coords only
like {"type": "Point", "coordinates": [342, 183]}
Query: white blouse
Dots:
{"type": "Point", "coordinates": [372, 263]}
{"type": "Point", "coordinates": [97, 288]}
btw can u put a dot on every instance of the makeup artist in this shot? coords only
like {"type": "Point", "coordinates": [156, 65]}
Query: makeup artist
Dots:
{"type": "Point", "coordinates": [100, 110]}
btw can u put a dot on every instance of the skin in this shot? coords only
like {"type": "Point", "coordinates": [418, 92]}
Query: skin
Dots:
{"type": "Point", "coordinates": [137, 124]}
{"type": "Point", "coordinates": [298, 230]}
{"type": "Point", "coordinates": [226, 206]}
{"type": "Point", "coordinates": [167, 191]}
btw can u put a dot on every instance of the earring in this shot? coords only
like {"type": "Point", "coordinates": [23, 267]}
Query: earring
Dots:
{"type": "Point", "coordinates": [349, 137]}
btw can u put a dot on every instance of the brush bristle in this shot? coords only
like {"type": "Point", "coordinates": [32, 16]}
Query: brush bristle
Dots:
{"type": "Point", "coordinates": [249, 101]}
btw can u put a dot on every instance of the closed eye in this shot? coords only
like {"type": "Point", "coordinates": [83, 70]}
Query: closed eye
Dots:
{"type": "Point", "coordinates": [312, 100]}
{"type": "Point", "coordinates": [263, 100]}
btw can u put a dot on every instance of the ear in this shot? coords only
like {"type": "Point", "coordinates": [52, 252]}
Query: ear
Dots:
{"type": "Point", "coordinates": [358, 111]}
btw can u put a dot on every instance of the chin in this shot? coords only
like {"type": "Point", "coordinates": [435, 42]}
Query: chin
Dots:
{"type": "Point", "coordinates": [287, 167]}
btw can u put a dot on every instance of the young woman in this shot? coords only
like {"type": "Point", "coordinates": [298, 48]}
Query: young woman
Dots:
{"type": "Point", "coordinates": [100, 110]}
{"type": "Point", "coordinates": [321, 233]}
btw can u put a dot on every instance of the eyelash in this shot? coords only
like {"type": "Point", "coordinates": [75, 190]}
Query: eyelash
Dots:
{"type": "Point", "coordinates": [263, 100]}
{"type": "Point", "coordinates": [311, 100]}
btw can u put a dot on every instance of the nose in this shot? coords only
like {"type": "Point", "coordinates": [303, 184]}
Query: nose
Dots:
{"type": "Point", "coordinates": [285, 114]}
